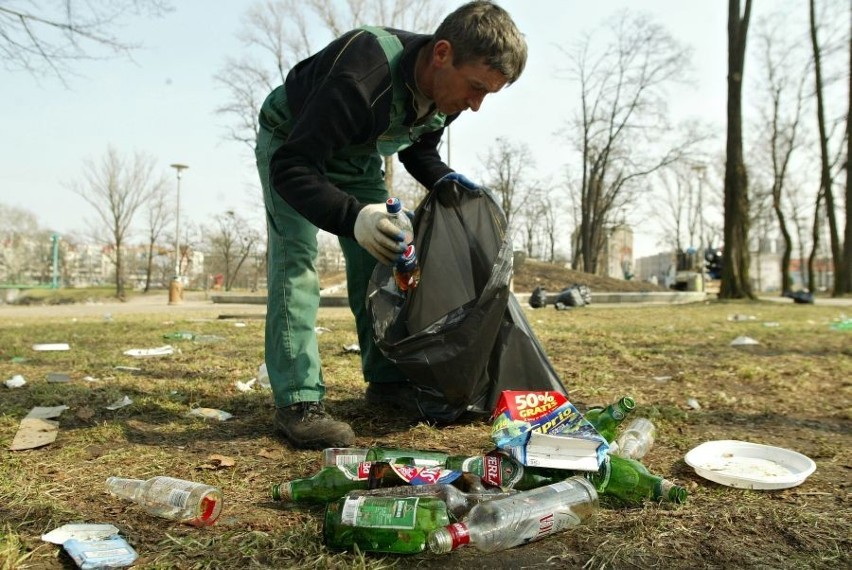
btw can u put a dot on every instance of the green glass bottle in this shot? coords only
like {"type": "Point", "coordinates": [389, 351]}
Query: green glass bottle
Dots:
{"type": "Point", "coordinates": [328, 484]}
{"type": "Point", "coordinates": [606, 420]}
{"type": "Point", "coordinates": [502, 470]}
{"type": "Point", "coordinates": [630, 481]}
{"type": "Point", "coordinates": [383, 524]}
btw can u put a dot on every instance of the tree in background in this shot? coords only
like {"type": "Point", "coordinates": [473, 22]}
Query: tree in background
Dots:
{"type": "Point", "coordinates": [159, 216]}
{"type": "Point", "coordinates": [44, 38]}
{"type": "Point", "coordinates": [19, 232]}
{"type": "Point", "coordinates": [784, 87]}
{"type": "Point", "coordinates": [735, 280]}
{"type": "Point", "coordinates": [116, 188]}
{"type": "Point", "coordinates": [230, 242]}
{"type": "Point", "coordinates": [623, 123]}
{"type": "Point", "coordinates": [826, 163]}
{"type": "Point", "coordinates": [507, 173]}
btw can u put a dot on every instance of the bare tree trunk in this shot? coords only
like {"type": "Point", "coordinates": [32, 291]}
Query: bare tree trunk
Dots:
{"type": "Point", "coordinates": [814, 243]}
{"type": "Point", "coordinates": [735, 279]}
{"type": "Point", "coordinates": [847, 234]}
{"type": "Point", "coordinates": [825, 167]}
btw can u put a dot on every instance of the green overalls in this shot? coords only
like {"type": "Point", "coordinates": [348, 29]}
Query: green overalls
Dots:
{"type": "Point", "coordinates": [292, 353]}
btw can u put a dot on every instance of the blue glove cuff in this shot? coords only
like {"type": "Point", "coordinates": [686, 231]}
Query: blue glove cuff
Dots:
{"type": "Point", "coordinates": [462, 180]}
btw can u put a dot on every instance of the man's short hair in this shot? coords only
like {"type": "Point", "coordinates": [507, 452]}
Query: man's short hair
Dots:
{"type": "Point", "coordinates": [482, 31]}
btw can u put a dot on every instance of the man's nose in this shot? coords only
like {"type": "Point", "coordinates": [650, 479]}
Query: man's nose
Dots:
{"type": "Point", "coordinates": [475, 101]}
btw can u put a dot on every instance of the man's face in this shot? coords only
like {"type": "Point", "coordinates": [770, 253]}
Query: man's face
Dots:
{"type": "Point", "coordinates": [457, 89]}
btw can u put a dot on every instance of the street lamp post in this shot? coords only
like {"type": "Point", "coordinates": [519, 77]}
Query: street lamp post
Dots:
{"type": "Point", "coordinates": [176, 286]}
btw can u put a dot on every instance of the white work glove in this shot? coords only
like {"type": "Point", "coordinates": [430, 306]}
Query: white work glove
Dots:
{"type": "Point", "coordinates": [378, 235]}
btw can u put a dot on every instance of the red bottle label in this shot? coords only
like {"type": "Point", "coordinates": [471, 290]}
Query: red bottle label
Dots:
{"type": "Point", "coordinates": [460, 534]}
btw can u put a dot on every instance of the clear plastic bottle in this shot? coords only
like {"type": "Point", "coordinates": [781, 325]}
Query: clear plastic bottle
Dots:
{"type": "Point", "coordinates": [521, 518]}
{"type": "Point", "coordinates": [192, 503]}
{"type": "Point", "coordinates": [406, 272]}
{"type": "Point", "coordinates": [399, 218]}
{"type": "Point", "coordinates": [458, 502]}
{"type": "Point", "coordinates": [636, 439]}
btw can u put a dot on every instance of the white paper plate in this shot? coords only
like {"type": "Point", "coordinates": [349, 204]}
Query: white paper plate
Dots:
{"type": "Point", "coordinates": [749, 465]}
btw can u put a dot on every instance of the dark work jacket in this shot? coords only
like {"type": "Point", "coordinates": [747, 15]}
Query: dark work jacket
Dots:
{"type": "Point", "coordinates": [340, 98]}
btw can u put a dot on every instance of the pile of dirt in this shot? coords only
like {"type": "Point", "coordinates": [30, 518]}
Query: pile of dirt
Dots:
{"type": "Point", "coordinates": [554, 278]}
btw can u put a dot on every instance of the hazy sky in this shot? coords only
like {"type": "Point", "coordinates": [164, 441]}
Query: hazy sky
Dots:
{"type": "Point", "coordinates": [164, 102]}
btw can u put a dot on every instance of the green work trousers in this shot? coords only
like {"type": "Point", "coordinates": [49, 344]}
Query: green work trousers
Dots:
{"type": "Point", "coordinates": [292, 352]}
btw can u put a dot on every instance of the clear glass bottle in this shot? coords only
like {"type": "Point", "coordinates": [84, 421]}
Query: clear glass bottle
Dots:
{"type": "Point", "coordinates": [383, 524]}
{"type": "Point", "coordinates": [629, 481]}
{"type": "Point", "coordinates": [636, 439]}
{"type": "Point", "coordinates": [457, 501]}
{"type": "Point", "coordinates": [606, 420]}
{"type": "Point", "coordinates": [192, 503]}
{"type": "Point", "coordinates": [521, 518]}
{"type": "Point", "coordinates": [332, 456]}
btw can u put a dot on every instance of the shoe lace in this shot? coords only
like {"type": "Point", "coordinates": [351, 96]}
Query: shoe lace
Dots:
{"type": "Point", "coordinates": [310, 409]}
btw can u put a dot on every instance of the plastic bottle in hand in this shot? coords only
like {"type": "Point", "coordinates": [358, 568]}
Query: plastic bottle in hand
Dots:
{"type": "Point", "coordinates": [185, 501]}
{"type": "Point", "coordinates": [636, 439]}
{"type": "Point", "coordinates": [521, 518]}
{"type": "Point", "coordinates": [399, 218]}
{"type": "Point", "coordinates": [406, 271]}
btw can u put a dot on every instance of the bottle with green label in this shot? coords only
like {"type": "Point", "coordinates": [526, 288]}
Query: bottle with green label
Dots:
{"type": "Point", "coordinates": [398, 525]}
{"type": "Point", "coordinates": [630, 481]}
{"type": "Point", "coordinates": [606, 420]}
{"type": "Point", "coordinates": [499, 469]}
{"type": "Point", "coordinates": [458, 502]}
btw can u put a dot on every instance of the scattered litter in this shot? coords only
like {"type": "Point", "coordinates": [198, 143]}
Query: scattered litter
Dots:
{"type": "Point", "coordinates": [739, 317]}
{"type": "Point", "coordinates": [750, 465]}
{"type": "Point", "coordinates": [120, 403]}
{"type": "Point", "coordinates": [128, 368]}
{"type": "Point", "coordinates": [15, 381]}
{"type": "Point", "coordinates": [693, 404]}
{"type": "Point", "coordinates": [179, 335]}
{"type": "Point", "coordinates": [112, 552]}
{"type": "Point", "coordinates": [210, 414]}
{"type": "Point", "coordinates": [800, 297]}
{"type": "Point", "coordinates": [246, 386]}
{"type": "Point", "coordinates": [844, 325]}
{"type": "Point", "coordinates": [37, 429]}
{"type": "Point", "coordinates": [217, 461]}
{"type": "Point", "coordinates": [771, 324]}
{"type": "Point", "coordinates": [80, 531]}
{"type": "Point", "coordinates": [744, 341]}
{"type": "Point", "coordinates": [661, 378]}
{"type": "Point", "coordinates": [144, 352]}
{"type": "Point", "coordinates": [352, 348]}
{"type": "Point", "coordinates": [320, 330]}
{"type": "Point", "coordinates": [263, 376]}
{"type": "Point", "coordinates": [207, 338]}
{"type": "Point", "coordinates": [239, 325]}
{"type": "Point", "coordinates": [58, 378]}
{"type": "Point", "coordinates": [18, 360]}
{"type": "Point", "coordinates": [107, 317]}
{"type": "Point", "coordinates": [91, 379]}
{"type": "Point", "coordinates": [49, 347]}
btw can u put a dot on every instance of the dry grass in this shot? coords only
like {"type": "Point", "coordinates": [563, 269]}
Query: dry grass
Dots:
{"type": "Point", "coordinates": [792, 390]}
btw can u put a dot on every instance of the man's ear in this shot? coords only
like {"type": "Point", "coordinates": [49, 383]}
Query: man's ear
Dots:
{"type": "Point", "coordinates": [442, 53]}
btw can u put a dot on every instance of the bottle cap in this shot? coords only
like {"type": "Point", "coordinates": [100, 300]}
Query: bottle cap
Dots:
{"type": "Point", "coordinates": [394, 205]}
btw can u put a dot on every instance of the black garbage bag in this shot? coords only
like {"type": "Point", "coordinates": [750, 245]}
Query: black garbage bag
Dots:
{"type": "Point", "coordinates": [461, 336]}
{"type": "Point", "coordinates": [538, 298]}
{"type": "Point", "coordinates": [574, 296]}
